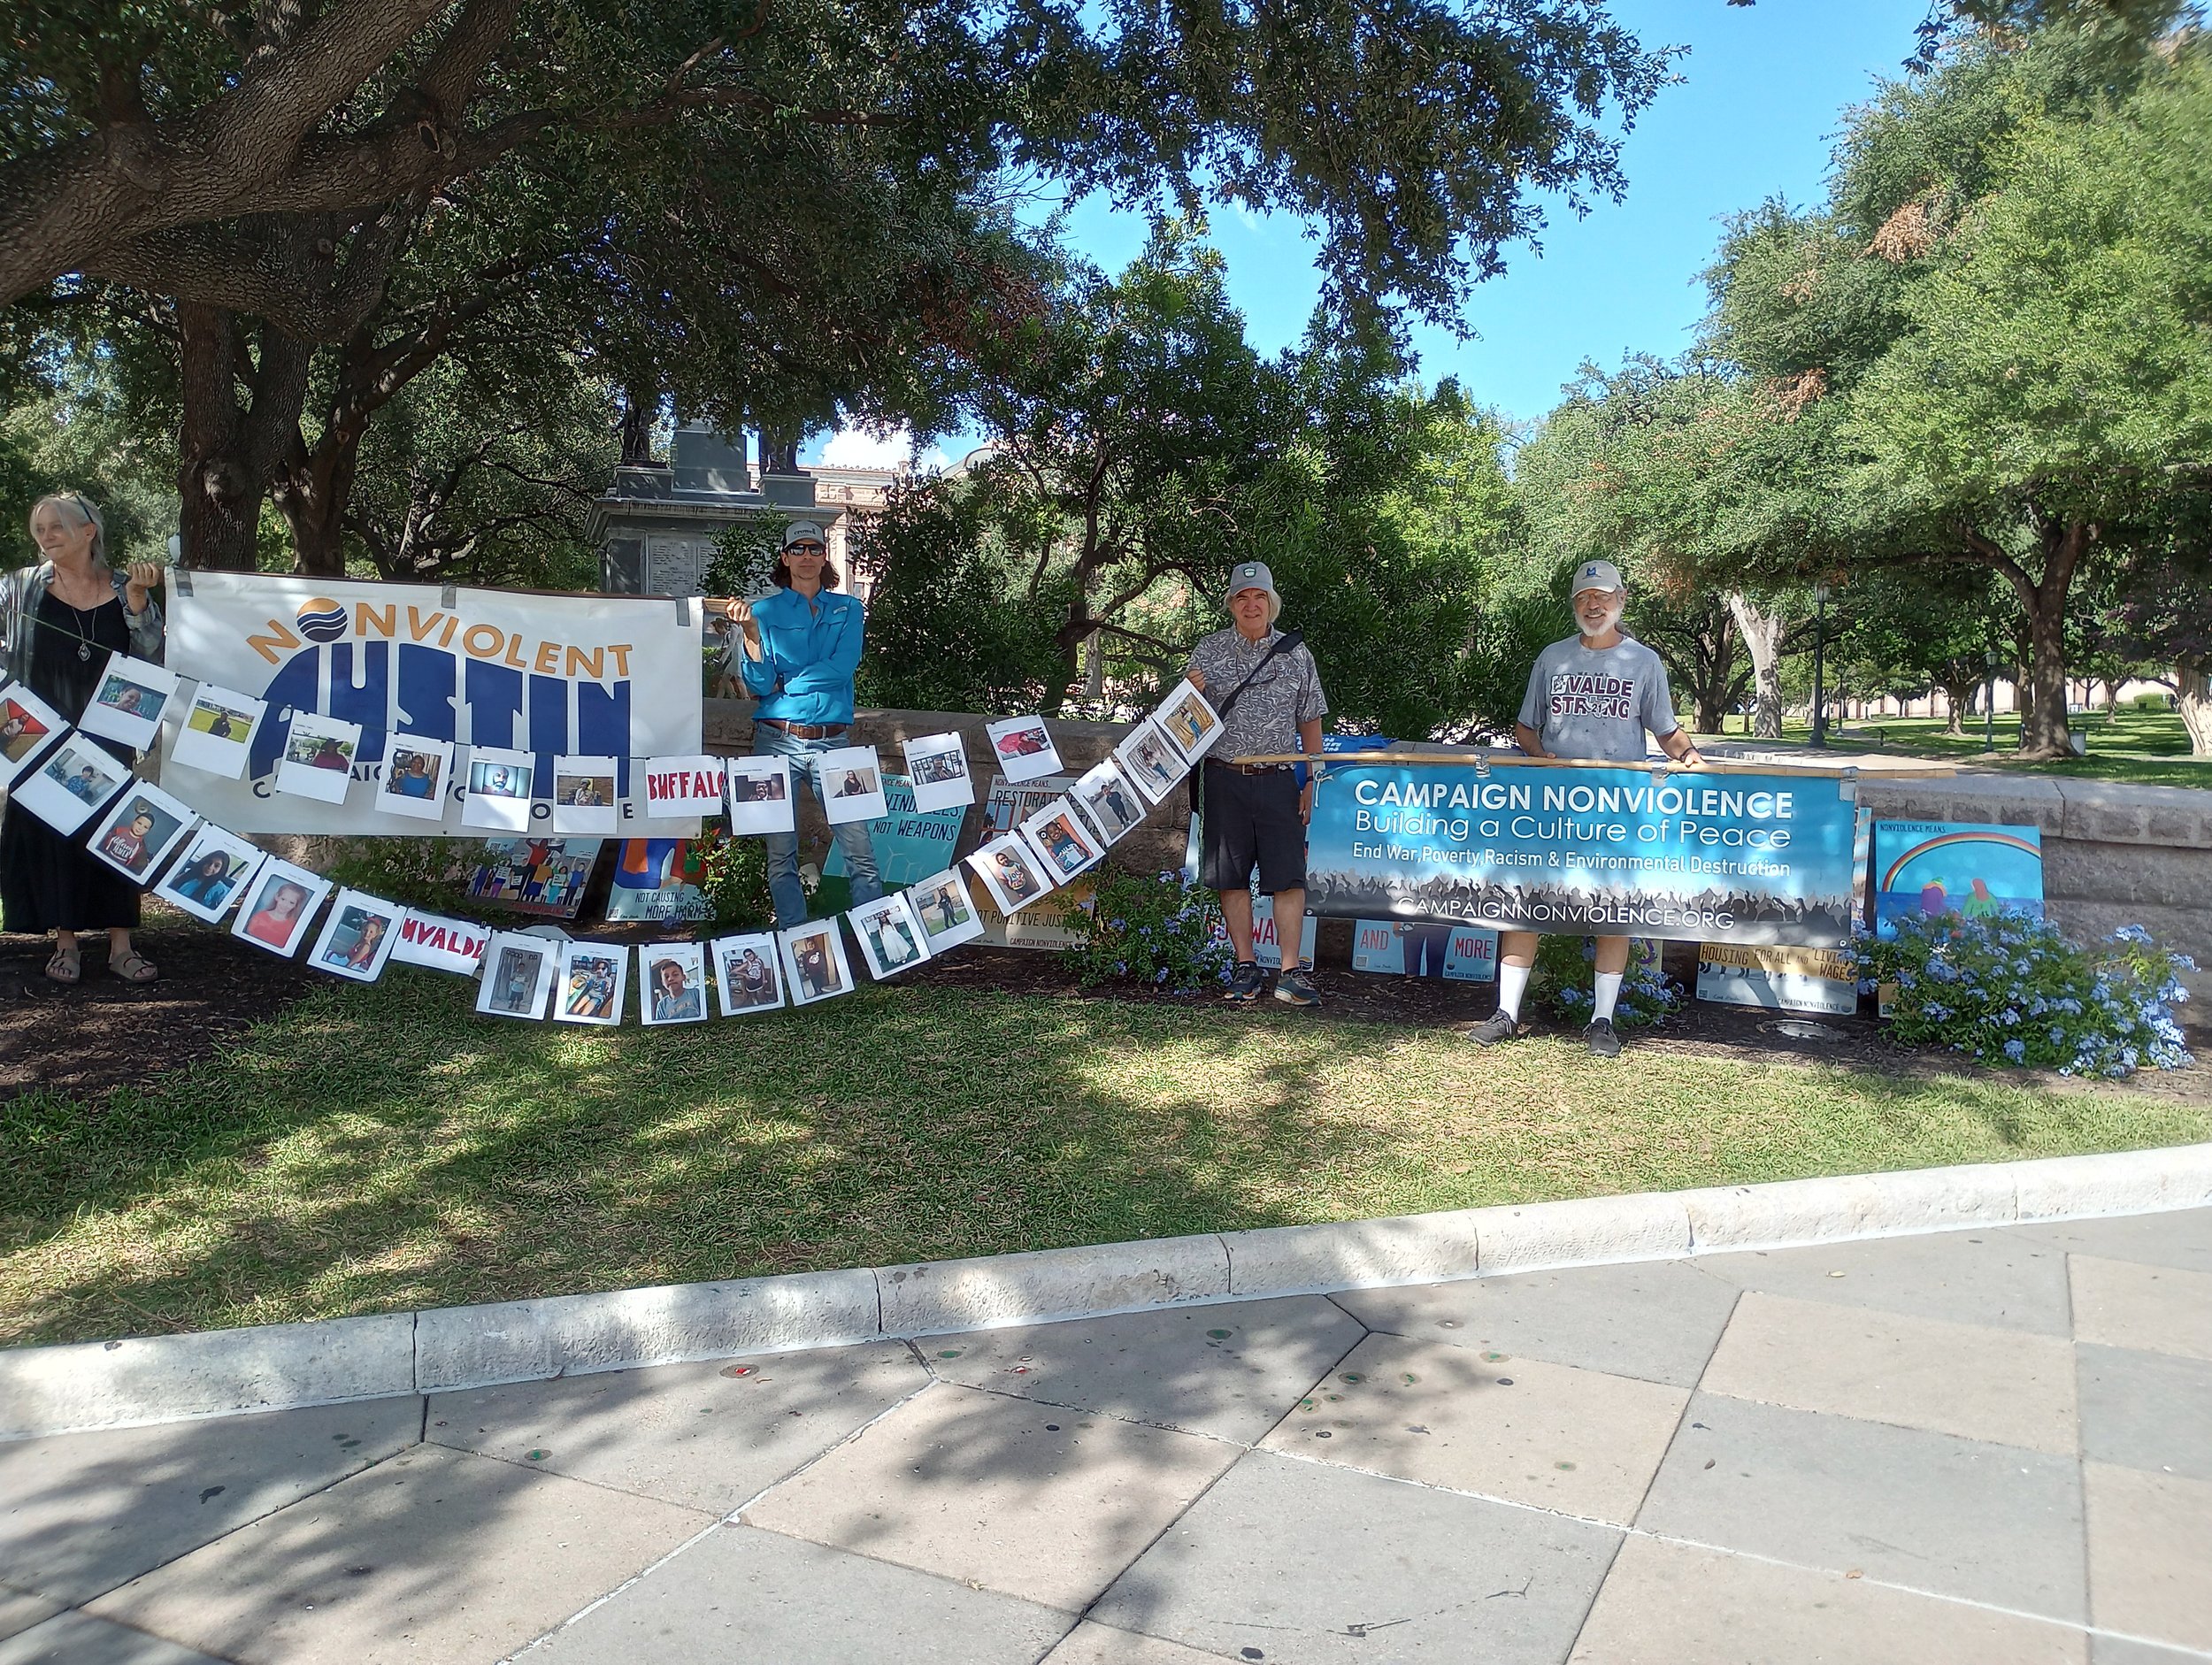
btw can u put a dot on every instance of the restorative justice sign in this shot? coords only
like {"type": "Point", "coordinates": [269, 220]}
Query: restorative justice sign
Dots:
{"type": "Point", "coordinates": [1733, 858]}
{"type": "Point", "coordinates": [546, 674]}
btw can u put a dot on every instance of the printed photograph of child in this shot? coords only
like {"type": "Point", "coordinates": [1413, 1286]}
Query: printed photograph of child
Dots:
{"type": "Point", "coordinates": [20, 733]}
{"type": "Point", "coordinates": [675, 998]}
{"type": "Point", "coordinates": [749, 980]}
{"type": "Point", "coordinates": [512, 982]}
{"type": "Point", "coordinates": [595, 983]}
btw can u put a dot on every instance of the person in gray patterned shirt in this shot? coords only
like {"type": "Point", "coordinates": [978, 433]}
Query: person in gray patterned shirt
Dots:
{"type": "Point", "coordinates": [1255, 814]}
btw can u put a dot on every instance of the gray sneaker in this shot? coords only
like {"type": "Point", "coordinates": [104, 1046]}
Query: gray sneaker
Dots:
{"type": "Point", "coordinates": [1600, 1038]}
{"type": "Point", "coordinates": [1500, 1025]}
{"type": "Point", "coordinates": [1295, 985]}
{"type": "Point", "coordinates": [1245, 982]}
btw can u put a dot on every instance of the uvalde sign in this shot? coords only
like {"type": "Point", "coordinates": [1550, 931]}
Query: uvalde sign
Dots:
{"type": "Point", "coordinates": [1738, 856]}
{"type": "Point", "coordinates": [590, 675]}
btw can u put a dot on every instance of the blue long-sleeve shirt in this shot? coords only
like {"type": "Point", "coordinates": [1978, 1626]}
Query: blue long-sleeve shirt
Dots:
{"type": "Point", "coordinates": [809, 651]}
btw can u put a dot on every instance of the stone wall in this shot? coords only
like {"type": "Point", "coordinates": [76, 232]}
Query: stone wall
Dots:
{"type": "Point", "coordinates": [2113, 854]}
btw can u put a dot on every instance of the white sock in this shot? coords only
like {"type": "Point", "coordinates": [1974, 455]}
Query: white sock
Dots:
{"type": "Point", "coordinates": [1608, 992]}
{"type": "Point", "coordinates": [1512, 983]}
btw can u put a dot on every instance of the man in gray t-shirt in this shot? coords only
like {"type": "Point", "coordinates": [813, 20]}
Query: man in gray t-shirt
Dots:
{"type": "Point", "coordinates": [1587, 702]}
{"type": "Point", "coordinates": [1595, 694]}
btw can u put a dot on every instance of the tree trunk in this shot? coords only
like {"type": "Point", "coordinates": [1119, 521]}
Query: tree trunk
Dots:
{"type": "Point", "coordinates": [2194, 685]}
{"type": "Point", "coordinates": [312, 491]}
{"type": "Point", "coordinates": [2043, 731]}
{"type": "Point", "coordinates": [1958, 699]}
{"type": "Point", "coordinates": [1762, 632]}
{"type": "Point", "coordinates": [226, 451]}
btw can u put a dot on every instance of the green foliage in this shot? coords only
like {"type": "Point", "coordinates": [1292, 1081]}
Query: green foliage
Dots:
{"type": "Point", "coordinates": [1565, 977]}
{"type": "Point", "coordinates": [484, 473]}
{"type": "Point", "coordinates": [744, 560]}
{"type": "Point", "coordinates": [1143, 449]}
{"type": "Point", "coordinates": [773, 217]}
{"type": "Point", "coordinates": [1151, 929]}
{"type": "Point", "coordinates": [951, 624]}
{"type": "Point", "coordinates": [733, 878]}
{"type": "Point", "coordinates": [432, 874]}
{"type": "Point", "coordinates": [75, 429]}
{"type": "Point", "coordinates": [1976, 370]}
{"type": "Point", "coordinates": [2013, 989]}
{"type": "Point", "coordinates": [2056, 348]}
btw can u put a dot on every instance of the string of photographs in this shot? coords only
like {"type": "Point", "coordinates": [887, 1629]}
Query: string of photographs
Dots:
{"type": "Point", "coordinates": [67, 778]}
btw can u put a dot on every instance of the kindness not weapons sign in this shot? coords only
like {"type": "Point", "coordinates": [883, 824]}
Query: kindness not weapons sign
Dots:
{"type": "Point", "coordinates": [1732, 857]}
{"type": "Point", "coordinates": [548, 676]}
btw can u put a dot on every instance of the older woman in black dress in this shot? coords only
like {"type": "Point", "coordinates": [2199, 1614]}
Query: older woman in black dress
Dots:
{"type": "Point", "coordinates": [58, 621]}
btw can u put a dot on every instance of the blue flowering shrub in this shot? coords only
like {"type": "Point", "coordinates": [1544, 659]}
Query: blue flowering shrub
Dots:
{"type": "Point", "coordinates": [2010, 989]}
{"type": "Point", "coordinates": [1151, 929]}
{"type": "Point", "coordinates": [1564, 980]}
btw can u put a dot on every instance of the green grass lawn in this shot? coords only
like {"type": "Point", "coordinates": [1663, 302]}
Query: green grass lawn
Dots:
{"type": "Point", "coordinates": [2148, 747]}
{"type": "Point", "coordinates": [380, 1148]}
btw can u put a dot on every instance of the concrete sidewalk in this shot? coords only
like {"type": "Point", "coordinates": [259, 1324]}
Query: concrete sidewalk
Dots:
{"type": "Point", "coordinates": [1990, 1445]}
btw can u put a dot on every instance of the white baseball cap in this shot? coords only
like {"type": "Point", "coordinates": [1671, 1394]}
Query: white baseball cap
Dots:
{"type": "Point", "coordinates": [1596, 575]}
{"type": "Point", "coordinates": [805, 532]}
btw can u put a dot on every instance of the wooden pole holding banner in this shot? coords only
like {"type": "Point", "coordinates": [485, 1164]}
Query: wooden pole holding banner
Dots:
{"type": "Point", "coordinates": [1657, 765]}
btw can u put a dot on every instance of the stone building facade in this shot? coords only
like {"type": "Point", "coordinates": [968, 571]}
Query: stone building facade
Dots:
{"type": "Point", "coordinates": [655, 527]}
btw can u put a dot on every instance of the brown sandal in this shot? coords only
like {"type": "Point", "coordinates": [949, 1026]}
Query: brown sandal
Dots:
{"type": "Point", "coordinates": [134, 968]}
{"type": "Point", "coordinates": [66, 967]}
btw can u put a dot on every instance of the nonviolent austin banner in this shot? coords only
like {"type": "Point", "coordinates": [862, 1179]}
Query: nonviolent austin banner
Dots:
{"type": "Point", "coordinates": [1717, 857]}
{"type": "Point", "coordinates": [549, 675]}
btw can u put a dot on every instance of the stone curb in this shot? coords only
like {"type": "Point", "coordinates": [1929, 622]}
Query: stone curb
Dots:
{"type": "Point", "coordinates": [170, 1378]}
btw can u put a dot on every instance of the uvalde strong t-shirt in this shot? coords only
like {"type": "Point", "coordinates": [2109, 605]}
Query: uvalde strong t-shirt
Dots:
{"type": "Point", "coordinates": [1598, 701]}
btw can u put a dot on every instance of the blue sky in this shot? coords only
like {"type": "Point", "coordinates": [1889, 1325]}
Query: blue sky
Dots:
{"type": "Point", "coordinates": [1762, 99]}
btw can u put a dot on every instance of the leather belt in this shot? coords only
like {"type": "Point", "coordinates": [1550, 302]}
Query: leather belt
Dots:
{"type": "Point", "coordinates": [804, 731]}
{"type": "Point", "coordinates": [1248, 769]}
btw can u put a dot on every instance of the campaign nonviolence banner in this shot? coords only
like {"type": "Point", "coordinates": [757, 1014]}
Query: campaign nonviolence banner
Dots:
{"type": "Point", "coordinates": [1721, 857]}
{"type": "Point", "coordinates": [549, 675]}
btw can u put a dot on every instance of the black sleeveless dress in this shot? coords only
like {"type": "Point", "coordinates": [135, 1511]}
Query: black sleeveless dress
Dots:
{"type": "Point", "coordinates": [48, 882]}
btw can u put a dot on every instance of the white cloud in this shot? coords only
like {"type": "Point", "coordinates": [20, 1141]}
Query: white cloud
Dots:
{"type": "Point", "coordinates": [856, 448]}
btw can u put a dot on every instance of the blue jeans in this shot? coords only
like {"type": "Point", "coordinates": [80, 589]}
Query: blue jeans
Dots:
{"type": "Point", "coordinates": [783, 847]}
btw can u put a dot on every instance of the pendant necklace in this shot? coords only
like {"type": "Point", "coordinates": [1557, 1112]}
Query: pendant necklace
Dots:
{"type": "Point", "coordinates": [84, 642]}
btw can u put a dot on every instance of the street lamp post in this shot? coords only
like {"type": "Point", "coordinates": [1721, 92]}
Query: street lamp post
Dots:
{"type": "Point", "coordinates": [1820, 647]}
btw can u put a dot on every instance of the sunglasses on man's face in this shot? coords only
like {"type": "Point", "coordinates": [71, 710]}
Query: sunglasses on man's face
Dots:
{"type": "Point", "coordinates": [806, 549]}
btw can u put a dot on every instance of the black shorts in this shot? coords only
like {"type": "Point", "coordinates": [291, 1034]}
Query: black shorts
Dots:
{"type": "Point", "coordinates": [1251, 820]}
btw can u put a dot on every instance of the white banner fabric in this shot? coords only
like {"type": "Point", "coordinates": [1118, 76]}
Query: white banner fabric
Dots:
{"type": "Point", "coordinates": [607, 675]}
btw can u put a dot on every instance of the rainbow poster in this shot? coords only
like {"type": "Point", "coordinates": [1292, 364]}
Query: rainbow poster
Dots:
{"type": "Point", "coordinates": [1932, 868]}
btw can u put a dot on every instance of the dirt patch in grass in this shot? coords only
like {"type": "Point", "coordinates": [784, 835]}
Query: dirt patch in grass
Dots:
{"type": "Point", "coordinates": [105, 1033]}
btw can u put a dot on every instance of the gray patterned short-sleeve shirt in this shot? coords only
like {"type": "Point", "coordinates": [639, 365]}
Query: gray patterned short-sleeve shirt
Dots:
{"type": "Point", "coordinates": [1266, 716]}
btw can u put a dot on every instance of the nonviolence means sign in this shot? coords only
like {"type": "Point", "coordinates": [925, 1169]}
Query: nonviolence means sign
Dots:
{"type": "Point", "coordinates": [549, 675]}
{"type": "Point", "coordinates": [1732, 857]}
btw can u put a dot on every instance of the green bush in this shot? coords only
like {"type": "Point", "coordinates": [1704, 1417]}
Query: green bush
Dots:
{"type": "Point", "coordinates": [2010, 988]}
{"type": "Point", "coordinates": [734, 876]}
{"type": "Point", "coordinates": [432, 874]}
{"type": "Point", "coordinates": [1151, 929]}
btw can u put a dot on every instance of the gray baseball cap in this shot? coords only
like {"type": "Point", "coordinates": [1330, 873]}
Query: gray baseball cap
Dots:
{"type": "Point", "coordinates": [1596, 575]}
{"type": "Point", "coordinates": [805, 532]}
{"type": "Point", "coordinates": [1254, 575]}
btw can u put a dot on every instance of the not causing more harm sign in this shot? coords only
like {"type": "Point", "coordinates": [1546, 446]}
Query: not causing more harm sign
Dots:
{"type": "Point", "coordinates": [1736, 857]}
{"type": "Point", "coordinates": [547, 675]}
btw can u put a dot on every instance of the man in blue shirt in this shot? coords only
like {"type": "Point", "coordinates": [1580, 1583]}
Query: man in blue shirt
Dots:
{"type": "Point", "coordinates": [800, 648]}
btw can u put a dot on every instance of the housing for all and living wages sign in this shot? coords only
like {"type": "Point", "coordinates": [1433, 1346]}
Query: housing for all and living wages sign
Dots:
{"type": "Point", "coordinates": [552, 675]}
{"type": "Point", "coordinates": [1718, 858]}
